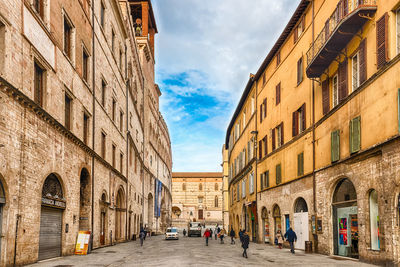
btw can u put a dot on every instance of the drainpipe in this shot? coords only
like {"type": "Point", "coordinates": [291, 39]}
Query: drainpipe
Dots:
{"type": "Point", "coordinates": [94, 121]}
{"type": "Point", "coordinates": [16, 237]}
{"type": "Point", "coordinates": [256, 168]}
{"type": "Point", "coordinates": [127, 143]}
{"type": "Point", "coordinates": [313, 122]}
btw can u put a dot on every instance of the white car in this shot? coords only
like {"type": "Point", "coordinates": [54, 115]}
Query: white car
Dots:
{"type": "Point", "coordinates": [172, 233]}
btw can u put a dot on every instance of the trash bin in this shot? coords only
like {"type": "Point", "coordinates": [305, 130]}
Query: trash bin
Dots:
{"type": "Point", "coordinates": [134, 237]}
{"type": "Point", "coordinates": [308, 246]}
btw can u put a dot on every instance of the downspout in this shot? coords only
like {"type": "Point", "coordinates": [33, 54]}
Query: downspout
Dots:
{"type": "Point", "coordinates": [127, 142]}
{"type": "Point", "coordinates": [313, 122]}
{"type": "Point", "coordinates": [256, 177]}
{"type": "Point", "coordinates": [94, 120]}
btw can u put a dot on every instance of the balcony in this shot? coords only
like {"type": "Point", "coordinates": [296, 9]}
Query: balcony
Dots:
{"type": "Point", "coordinates": [347, 19]}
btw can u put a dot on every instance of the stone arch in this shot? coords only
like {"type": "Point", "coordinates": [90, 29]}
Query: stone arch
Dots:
{"type": "Point", "coordinates": [150, 211]}
{"type": "Point", "coordinates": [300, 205]}
{"type": "Point", "coordinates": [276, 214]}
{"type": "Point", "coordinates": [176, 212]}
{"type": "Point", "coordinates": [84, 200]}
{"type": "Point", "coordinates": [265, 224]}
{"type": "Point", "coordinates": [120, 210]}
{"type": "Point", "coordinates": [103, 217]}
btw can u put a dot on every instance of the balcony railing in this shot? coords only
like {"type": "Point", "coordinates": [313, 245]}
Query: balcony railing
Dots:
{"type": "Point", "coordinates": [344, 10]}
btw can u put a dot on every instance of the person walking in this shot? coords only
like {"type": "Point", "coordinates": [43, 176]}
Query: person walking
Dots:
{"type": "Point", "coordinates": [142, 236]}
{"type": "Point", "coordinates": [207, 235]}
{"type": "Point", "coordinates": [216, 232]}
{"type": "Point", "coordinates": [245, 243]}
{"type": "Point", "coordinates": [232, 235]}
{"type": "Point", "coordinates": [184, 232]}
{"type": "Point", "coordinates": [241, 235]}
{"type": "Point", "coordinates": [279, 238]}
{"type": "Point", "coordinates": [211, 233]}
{"type": "Point", "coordinates": [222, 235]}
{"type": "Point", "coordinates": [291, 236]}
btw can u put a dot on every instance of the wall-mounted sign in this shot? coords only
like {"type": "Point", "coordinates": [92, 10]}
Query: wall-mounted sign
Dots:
{"type": "Point", "coordinates": [53, 203]}
{"type": "Point", "coordinates": [82, 243]}
{"type": "Point", "coordinates": [313, 224]}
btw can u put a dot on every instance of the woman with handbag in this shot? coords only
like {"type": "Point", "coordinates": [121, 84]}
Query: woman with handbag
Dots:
{"type": "Point", "coordinates": [279, 239]}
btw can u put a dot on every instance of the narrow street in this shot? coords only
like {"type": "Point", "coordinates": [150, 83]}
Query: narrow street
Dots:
{"type": "Point", "coordinates": [192, 252]}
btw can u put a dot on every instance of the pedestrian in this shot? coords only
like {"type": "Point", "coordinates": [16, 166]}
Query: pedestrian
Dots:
{"type": "Point", "coordinates": [211, 233]}
{"type": "Point", "coordinates": [207, 235]}
{"type": "Point", "coordinates": [279, 239]}
{"type": "Point", "coordinates": [291, 236]}
{"type": "Point", "coordinates": [142, 236]}
{"type": "Point", "coordinates": [145, 232]}
{"type": "Point", "coordinates": [232, 235]}
{"type": "Point", "coordinates": [184, 232]}
{"type": "Point", "coordinates": [241, 235]}
{"type": "Point", "coordinates": [245, 243]}
{"type": "Point", "coordinates": [216, 232]}
{"type": "Point", "coordinates": [222, 235]}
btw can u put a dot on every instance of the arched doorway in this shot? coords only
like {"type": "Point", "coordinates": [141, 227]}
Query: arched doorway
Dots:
{"type": "Point", "coordinates": [129, 223]}
{"type": "Point", "coordinates": [103, 218]}
{"type": "Point", "coordinates": [277, 219]}
{"type": "Point", "coordinates": [2, 203]}
{"type": "Point", "coordinates": [84, 201]}
{"type": "Point", "coordinates": [53, 204]}
{"type": "Point", "coordinates": [150, 211]}
{"type": "Point", "coordinates": [345, 219]}
{"type": "Point", "coordinates": [265, 223]}
{"type": "Point", "coordinates": [245, 218]}
{"type": "Point", "coordinates": [120, 215]}
{"type": "Point", "coordinates": [300, 221]}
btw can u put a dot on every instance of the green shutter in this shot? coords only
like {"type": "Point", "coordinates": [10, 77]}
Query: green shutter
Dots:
{"type": "Point", "coordinates": [335, 145]}
{"type": "Point", "coordinates": [266, 179]}
{"type": "Point", "coordinates": [262, 181]}
{"type": "Point", "coordinates": [300, 164]}
{"type": "Point", "coordinates": [278, 174]}
{"type": "Point", "coordinates": [355, 135]}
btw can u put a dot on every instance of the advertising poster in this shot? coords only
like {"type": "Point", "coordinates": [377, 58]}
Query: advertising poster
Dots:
{"type": "Point", "coordinates": [82, 243]}
{"type": "Point", "coordinates": [343, 231]}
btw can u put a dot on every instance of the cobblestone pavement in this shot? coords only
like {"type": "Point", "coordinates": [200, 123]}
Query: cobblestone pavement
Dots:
{"type": "Point", "coordinates": [192, 252]}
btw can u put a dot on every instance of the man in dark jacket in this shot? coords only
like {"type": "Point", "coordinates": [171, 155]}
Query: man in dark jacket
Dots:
{"type": "Point", "coordinates": [290, 236]}
{"type": "Point", "coordinates": [232, 235]}
{"type": "Point", "coordinates": [241, 235]}
{"type": "Point", "coordinates": [245, 243]}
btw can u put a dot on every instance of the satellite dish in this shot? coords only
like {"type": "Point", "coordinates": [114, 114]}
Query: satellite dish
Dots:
{"type": "Point", "coordinates": [138, 21]}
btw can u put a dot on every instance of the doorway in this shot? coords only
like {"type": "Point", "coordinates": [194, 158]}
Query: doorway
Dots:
{"type": "Point", "coordinates": [265, 224]}
{"type": "Point", "coordinates": [345, 220]}
{"type": "Point", "coordinates": [300, 221]}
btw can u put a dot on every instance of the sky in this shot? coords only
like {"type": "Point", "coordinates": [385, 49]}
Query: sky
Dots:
{"type": "Point", "coordinates": [205, 52]}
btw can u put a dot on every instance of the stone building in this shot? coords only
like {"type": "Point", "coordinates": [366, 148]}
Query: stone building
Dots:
{"type": "Point", "coordinates": [327, 132]}
{"type": "Point", "coordinates": [76, 81]}
{"type": "Point", "coordinates": [196, 197]}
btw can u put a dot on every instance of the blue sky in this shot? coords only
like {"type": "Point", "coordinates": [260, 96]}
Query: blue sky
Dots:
{"type": "Point", "coordinates": [205, 51]}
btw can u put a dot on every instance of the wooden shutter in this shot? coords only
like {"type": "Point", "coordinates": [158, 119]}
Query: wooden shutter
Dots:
{"type": "Point", "coordinates": [265, 139]}
{"type": "Point", "coordinates": [282, 140]}
{"type": "Point", "coordinates": [325, 96]}
{"type": "Point", "coordinates": [382, 40]}
{"type": "Point", "coordinates": [335, 146]}
{"type": "Point", "coordinates": [260, 149]}
{"type": "Point", "coordinates": [303, 118]}
{"type": "Point", "coordinates": [266, 178]}
{"type": "Point", "coordinates": [355, 135]}
{"type": "Point", "coordinates": [273, 139]}
{"type": "Point", "coordinates": [303, 23]}
{"type": "Point", "coordinates": [300, 164]}
{"type": "Point", "coordinates": [261, 181]}
{"type": "Point", "coordinates": [278, 174]}
{"type": "Point", "coordinates": [265, 107]}
{"type": "Point", "coordinates": [295, 33]}
{"type": "Point", "coordinates": [261, 113]}
{"type": "Point", "coordinates": [343, 87]}
{"type": "Point", "coordinates": [363, 61]}
{"type": "Point", "coordinates": [294, 123]}
{"type": "Point", "coordinates": [278, 93]}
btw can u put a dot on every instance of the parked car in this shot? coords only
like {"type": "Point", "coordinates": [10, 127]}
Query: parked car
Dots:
{"type": "Point", "coordinates": [172, 233]}
{"type": "Point", "coordinates": [194, 228]}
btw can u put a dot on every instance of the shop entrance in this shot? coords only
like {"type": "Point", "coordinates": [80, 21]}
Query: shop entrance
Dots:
{"type": "Point", "coordinates": [300, 221]}
{"type": "Point", "coordinates": [345, 220]}
{"type": "Point", "coordinates": [277, 219]}
{"type": "Point", "coordinates": [265, 225]}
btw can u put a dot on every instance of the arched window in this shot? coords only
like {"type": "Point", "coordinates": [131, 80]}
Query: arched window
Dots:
{"type": "Point", "coordinates": [200, 187]}
{"type": "Point", "coordinates": [216, 186]}
{"type": "Point", "coordinates": [216, 201]}
{"type": "Point", "coordinates": [374, 220]}
{"type": "Point", "coordinates": [184, 187]}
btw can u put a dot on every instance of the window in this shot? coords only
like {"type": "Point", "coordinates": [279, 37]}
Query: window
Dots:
{"type": "Point", "coordinates": [103, 145]}
{"type": "Point", "coordinates": [38, 5]}
{"type": "Point", "coordinates": [278, 174]}
{"type": "Point", "coordinates": [265, 180]}
{"type": "Point", "coordinates": [67, 38]}
{"type": "Point", "coordinates": [355, 135]}
{"type": "Point", "coordinates": [38, 84]}
{"type": "Point", "coordinates": [300, 70]}
{"type": "Point", "coordinates": [243, 188]}
{"type": "Point", "coordinates": [382, 40]}
{"type": "Point", "coordinates": [237, 192]}
{"type": "Point", "coordinates": [251, 183]}
{"type": "Point", "coordinates": [114, 106]}
{"type": "Point", "coordinates": [216, 202]}
{"type": "Point", "coordinates": [113, 155]}
{"type": "Point", "coordinates": [200, 200]}
{"type": "Point", "coordinates": [102, 13]}
{"type": "Point", "coordinates": [216, 187]}
{"type": "Point", "coordinates": [398, 30]}
{"type": "Point", "coordinates": [299, 29]}
{"type": "Point", "coordinates": [265, 145]}
{"type": "Point", "coordinates": [85, 65]}
{"type": "Point", "coordinates": [279, 131]}
{"type": "Point", "coordinates": [278, 93]}
{"type": "Point", "coordinates": [355, 71]}
{"type": "Point", "coordinates": [120, 59]}
{"type": "Point", "coordinates": [200, 187]}
{"type": "Point", "coordinates": [67, 112]}
{"type": "Point", "coordinates": [335, 91]}
{"type": "Point", "coordinates": [244, 119]}
{"type": "Point", "coordinates": [121, 160]}
{"type": "Point", "coordinates": [335, 146]}
{"type": "Point", "coordinates": [263, 110]}
{"type": "Point", "coordinates": [252, 104]}
{"type": "Point", "coordinates": [136, 163]}
{"type": "Point", "coordinates": [85, 128]}
{"type": "Point", "coordinates": [121, 120]}
{"type": "Point", "coordinates": [300, 164]}
{"type": "Point", "coordinates": [112, 41]}
{"type": "Point", "coordinates": [278, 58]}
{"type": "Point", "coordinates": [184, 187]}
{"type": "Point", "coordinates": [103, 93]}
{"type": "Point", "coordinates": [299, 120]}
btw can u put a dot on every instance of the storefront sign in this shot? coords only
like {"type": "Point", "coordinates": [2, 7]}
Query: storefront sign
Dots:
{"type": "Point", "coordinates": [82, 243]}
{"type": "Point", "coordinates": [53, 203]}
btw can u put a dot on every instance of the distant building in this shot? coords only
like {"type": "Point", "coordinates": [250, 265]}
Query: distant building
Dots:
{"type": "Point", "coordinates": [196, 196]}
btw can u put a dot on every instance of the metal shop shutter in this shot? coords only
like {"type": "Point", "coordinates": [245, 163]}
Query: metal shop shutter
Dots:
{"type": "Point", "coordinates": [50, 233]}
